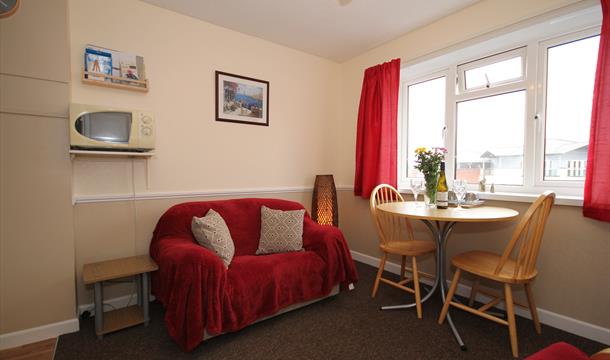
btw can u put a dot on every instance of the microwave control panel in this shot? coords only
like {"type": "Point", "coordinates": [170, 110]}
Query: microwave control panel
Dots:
{"type": "Point", "coordinates": [146, 130]}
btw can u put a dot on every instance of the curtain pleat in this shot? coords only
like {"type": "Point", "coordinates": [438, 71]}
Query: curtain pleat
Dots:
{"type": "Point", "coordinates": [597, 182]}
{"type": "Point", "coordinates": [376, 141]}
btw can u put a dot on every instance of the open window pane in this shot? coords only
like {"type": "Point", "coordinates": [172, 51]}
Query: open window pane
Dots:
{"type": "Point", "coordinates": [493, 74]}
{"type": "Point", "coordinates": [569, 97]}
{"type": "Point", "coordinates": [490, 139]}
{"type": "Point", "coordinates": [426, 118]}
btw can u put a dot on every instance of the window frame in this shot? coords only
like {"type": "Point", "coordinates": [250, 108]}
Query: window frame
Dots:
{"type": "Point", "coordinates": [403, 126]}
{"type": "Point", "coordinates": [541, 108]}
{"type": "Point", "coordinates": [566, 27]}
{"type": "Point", "coordinates": [489, 60]}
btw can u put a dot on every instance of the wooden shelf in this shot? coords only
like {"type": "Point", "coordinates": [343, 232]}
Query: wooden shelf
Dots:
{"type": "Point", "coordinates": [125, 84]}
{"type": "Point", "coordinates": [111, 153]}
{"type": "Point", "coordinates": [122, 318]}
{"type": "Point", "coordinates": [117, 268]}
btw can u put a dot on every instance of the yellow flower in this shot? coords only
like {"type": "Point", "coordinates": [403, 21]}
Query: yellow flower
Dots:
{"type": "Point", "coordinates": [420, 150]}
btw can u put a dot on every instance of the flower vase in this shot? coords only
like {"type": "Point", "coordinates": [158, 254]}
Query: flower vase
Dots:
{"type": "Point", "coordinates": [430, 194]}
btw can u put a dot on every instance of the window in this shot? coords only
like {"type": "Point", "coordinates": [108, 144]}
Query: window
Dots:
{"type": "Point", "coordinates": [496, 70]}
{"type": "Point", "coordinates": [426, 117]}
{"type": "Point", "coordinates": [490, 139]}
{"type": "Point", "coordinates": [518, 112]}
{"type": "Point", "coordinates": [569, 95]}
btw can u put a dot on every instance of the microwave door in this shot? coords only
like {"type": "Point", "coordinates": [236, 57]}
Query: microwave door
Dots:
{"type": "Point", "coordinates": [105, 127]}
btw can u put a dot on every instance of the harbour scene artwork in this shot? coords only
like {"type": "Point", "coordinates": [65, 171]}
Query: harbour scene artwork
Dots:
{"type": "Point", "coordinates": [242, 99]}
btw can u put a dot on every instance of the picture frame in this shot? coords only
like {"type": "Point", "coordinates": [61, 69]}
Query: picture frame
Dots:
{"type": "Point", "coordinates": [241, 99]}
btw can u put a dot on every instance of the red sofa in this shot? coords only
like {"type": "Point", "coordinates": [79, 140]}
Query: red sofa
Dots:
{"type": "Point", "coordinates": [200, 295]}
{"type": "Point", "coordinates": [565, 351]}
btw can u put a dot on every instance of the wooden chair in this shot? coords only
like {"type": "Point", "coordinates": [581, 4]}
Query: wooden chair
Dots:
{"type": "Point", "coordinates": [506, 270]}
{"type": "Point", "coordinates": [396, 237]}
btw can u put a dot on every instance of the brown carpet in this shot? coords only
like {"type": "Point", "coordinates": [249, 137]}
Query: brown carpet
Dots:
{"type": "Point", "coordinates": [348, 326]}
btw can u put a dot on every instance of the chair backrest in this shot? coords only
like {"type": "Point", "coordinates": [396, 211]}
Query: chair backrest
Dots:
{"type": "Point", "coordinates": [389, 227]}
{"type": "Point", "coordinates": [528, 234]}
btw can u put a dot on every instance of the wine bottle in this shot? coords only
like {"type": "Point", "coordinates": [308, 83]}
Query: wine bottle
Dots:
{"type": "Point", "coordinates": [442, 191]}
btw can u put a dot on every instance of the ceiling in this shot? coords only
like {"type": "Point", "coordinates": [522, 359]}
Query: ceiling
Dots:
{"type": "Point", "coordinates": [333, 29]}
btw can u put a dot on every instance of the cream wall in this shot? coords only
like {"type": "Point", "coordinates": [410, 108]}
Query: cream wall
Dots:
{"type": "Point", "coordinates": [574, 263]}
{"type": "Point", "coordinates": [313, 120]}
{"type": "Point", "coordinates": [36, 235]}
{"type": "Point", "coordinates": [194, 152]}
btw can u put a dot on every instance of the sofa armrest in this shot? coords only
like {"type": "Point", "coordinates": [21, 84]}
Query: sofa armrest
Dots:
{"type": "Point", "coordinates": [181, 250]}
{"type": "Point", "coordinates": [316, 235]}
{"type": "Point", "coordinates": [189, 284]}
{"type": "Point", "coordinates": [328, 243]}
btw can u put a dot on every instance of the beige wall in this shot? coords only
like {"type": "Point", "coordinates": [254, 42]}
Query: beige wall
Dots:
{"type": "Point", "coordinates": [36, 229]}
{"type": "Point", "coordinates": [194, 152]}
{"type": "Point", "coordinates": [312, 113]}
{"type": "Point", "coordinates": [574, 269]}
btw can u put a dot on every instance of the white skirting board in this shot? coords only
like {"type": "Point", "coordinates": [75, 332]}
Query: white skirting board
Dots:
{"type": "Point", "coordinates": [48, 331]}
{"type": "Point", "coordinates": [39, 333]}
{"type": "Point", "coordinates": [565, 323]}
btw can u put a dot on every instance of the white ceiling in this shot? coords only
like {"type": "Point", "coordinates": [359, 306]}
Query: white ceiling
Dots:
{"type": "Point", "coordinates": [320, 27]}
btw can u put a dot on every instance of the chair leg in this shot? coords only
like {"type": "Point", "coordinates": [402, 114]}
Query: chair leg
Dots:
{"type": "Point", "coordinates": [403, 266]}
{"type": "Point", "coordinates": [416, 287]}
{"type": "Point", "coordinates": [454, 284]}
{"type": "Point", "coordinates": [473, 292]}
{"type": "Point", "coordinates": [532, 305]}
{"type": "Point", "coordinates": [379, 272]}
{"type": "Point", "coordinates": [512, 326]}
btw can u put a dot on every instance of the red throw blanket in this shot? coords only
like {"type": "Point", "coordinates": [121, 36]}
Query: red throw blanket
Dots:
{"type": "Point", "coordinates": [199, 293]}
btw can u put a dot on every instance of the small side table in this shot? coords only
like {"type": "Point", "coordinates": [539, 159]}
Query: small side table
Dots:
{"type": "Point", "coordinates": [97, 273]}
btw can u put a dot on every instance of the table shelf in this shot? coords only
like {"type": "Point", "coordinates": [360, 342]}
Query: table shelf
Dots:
{"type": "Point", "coordinates": [122, 318]}
{"type": "Point", "coordinates": [97, 273]}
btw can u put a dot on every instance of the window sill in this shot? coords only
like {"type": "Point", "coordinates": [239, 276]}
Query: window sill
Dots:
{"type": "Point", "coordinates": [519, 197]}
{"type": "Point", "coordinates": [529, 198]}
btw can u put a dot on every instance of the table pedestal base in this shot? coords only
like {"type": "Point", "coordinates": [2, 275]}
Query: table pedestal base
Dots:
{"type": "Point", "coordinates": [441, 234]}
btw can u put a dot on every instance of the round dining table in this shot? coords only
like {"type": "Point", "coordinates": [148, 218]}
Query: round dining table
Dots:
{"type": "Point", "coordinates": [441, 222]}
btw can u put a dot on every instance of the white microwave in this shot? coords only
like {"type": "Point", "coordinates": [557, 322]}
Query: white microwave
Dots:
{"type": "Point", "coordinates": [95, 127]}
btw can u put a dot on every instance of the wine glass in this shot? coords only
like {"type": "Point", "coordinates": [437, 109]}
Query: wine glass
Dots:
{"type": "Point", "coordinates": [417, 185]}
{"type": "Point", "coordinates": [459, 188]}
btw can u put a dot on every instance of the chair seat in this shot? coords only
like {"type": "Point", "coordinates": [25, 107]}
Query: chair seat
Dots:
{"type": "Point", "coordinates": [409, 247]}
{"type": "Point", "coordinates": [483, 263]}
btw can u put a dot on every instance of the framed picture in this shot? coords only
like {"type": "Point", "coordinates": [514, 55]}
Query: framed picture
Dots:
{"type": "Point", "coordinates": [242, 99]}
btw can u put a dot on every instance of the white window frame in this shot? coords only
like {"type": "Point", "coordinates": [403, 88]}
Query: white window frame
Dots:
{"type": "Point", "coordinates": [531, 40]}
{"type": "Point", "coordinates": [492, 59]}
{"type": "Point", "coordinates": [541, 109]}
{"type": "Point", "coordinates": [404, 126]}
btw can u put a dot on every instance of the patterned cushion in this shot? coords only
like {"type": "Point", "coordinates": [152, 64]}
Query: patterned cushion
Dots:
{"type": "Point", "coordinates": [281, 231]}
{"type": "Point", "coordinates": [212, 232]}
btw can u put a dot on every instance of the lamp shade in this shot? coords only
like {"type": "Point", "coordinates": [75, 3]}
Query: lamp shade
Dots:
{"type": "Point", "coordinates": [324, 209]}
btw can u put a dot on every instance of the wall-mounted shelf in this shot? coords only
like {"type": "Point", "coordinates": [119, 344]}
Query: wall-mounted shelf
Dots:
{"type": "Point", "coordinates": [125, 84]}
{"type": "Point", "coordinates": [99, 153]}
{"type": "Point", "coordinates": [113, 154]}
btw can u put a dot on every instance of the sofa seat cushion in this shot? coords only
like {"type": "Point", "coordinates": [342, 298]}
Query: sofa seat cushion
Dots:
{"type": "Point", "coordinates": [257, 286]}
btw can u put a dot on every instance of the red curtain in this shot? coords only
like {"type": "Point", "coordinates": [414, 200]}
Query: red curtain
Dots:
{"type": "Point", "coordinates": [597, 182]}
{"type": "Point", "coordinates": [376, 141]}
